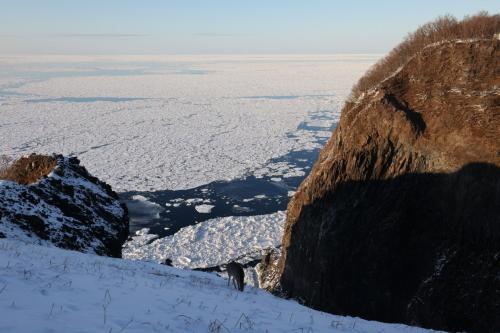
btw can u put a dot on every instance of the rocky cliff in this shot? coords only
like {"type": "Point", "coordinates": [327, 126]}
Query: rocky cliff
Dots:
{"type": "Point", "coordinates": [53, 200]}
{"type": "Point", "coordinates": [399, 220]}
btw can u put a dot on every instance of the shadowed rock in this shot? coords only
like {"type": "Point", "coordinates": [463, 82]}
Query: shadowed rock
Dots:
{"type": "Point", "coordinates": [399, 220]}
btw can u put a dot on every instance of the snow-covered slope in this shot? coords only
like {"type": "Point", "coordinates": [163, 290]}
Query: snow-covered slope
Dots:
{"type": "Point", "coordinates": [53, 290]}
{"type": "Point", "coordinates": [69, 209]}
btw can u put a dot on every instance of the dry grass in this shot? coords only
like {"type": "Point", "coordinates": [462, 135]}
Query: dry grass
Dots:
{"type": "Point", "coordinates": [445, 28]}
{"type": "Point", "coordinates": [30, 169]}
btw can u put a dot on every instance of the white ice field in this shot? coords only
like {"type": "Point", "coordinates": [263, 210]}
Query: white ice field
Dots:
{"type": "Point", "coordinates": [149, 123]}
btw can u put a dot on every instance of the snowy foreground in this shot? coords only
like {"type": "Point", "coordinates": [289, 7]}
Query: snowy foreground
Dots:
{"type": "Point", "coordinates": [52, 290]}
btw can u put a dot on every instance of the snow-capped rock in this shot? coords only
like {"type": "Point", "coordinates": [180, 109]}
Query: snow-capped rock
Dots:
{"type": "Point", "coordinates": [65, 207]}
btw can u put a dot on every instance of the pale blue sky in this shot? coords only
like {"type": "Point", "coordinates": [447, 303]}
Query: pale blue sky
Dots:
{"type": "Point", "coordinates": [217, 26]}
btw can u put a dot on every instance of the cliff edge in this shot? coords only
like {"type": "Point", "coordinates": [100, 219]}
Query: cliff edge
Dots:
{"type": "Point", "coordinates": [399, 219]}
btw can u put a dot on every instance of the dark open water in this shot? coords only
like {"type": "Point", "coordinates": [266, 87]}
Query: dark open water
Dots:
{"type": "Point", "coordinates": [173, 210]}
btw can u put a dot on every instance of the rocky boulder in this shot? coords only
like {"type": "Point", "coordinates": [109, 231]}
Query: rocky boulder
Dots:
{"type": "Point", "coordinates": [399, 220]}
{"type": "Point", "coordinates": [53, 200]}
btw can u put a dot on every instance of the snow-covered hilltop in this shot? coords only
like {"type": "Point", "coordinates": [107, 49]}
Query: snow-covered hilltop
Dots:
{"type": "Point", "coordinates": [53, 200]}
{"type": "Point", "coordinates": [53, 290]}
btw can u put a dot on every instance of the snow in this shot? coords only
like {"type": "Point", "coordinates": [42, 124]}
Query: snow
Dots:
{"type": "Point", "coordinates": [145, 211]}
{"type": "Point", "coordinates": [141, 238]}
{"type": "Point", "coordinates": [204, 209]}
{"type": "Point", "coordinates": [5, 162]}
{"type": "Point", "coordinates": [191, 201]}
{"type": "Point", "coordinates": [53, 290]}
{"type": "Point", "coordinates": [12, 194]}
{"type": "Point", "coordinates": [199, 118]}
{"type": "Point", "coordinates": [210, 243]}
{"type": "Point", "coordinates": [283, 169]}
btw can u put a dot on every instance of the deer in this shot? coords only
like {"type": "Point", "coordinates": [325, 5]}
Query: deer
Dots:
{"type": "Point", "coordinates": [235, 272]}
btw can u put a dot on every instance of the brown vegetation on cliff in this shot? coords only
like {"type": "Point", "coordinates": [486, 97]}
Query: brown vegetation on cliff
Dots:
{"type": "Point", "coordinates": [446, 28]}
{"type": "Point", "coordinates": [399, 219]}
{"type": "Point", "coordinates": [29, 169]}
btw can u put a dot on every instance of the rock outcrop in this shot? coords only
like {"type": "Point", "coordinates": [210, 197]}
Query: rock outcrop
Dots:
{"type": "Point", "coordinates": [399, 220]}
{"type": "Point", "coordinates": [53, 200]}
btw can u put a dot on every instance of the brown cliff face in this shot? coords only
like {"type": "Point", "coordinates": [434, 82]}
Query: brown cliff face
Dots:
{"type": "Point", "coordinates": [399, 219]}
{"type": "Point", "coordinates": [29, 169]}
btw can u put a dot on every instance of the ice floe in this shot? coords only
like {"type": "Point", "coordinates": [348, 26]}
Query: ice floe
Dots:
{"type": "Point", "coordinates": [204, 209]}
{"type": "Point", "coordinates": [210, 243]}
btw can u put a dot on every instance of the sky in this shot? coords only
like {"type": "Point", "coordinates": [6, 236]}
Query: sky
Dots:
{"type": "Point", "coordinates": [217, 26]}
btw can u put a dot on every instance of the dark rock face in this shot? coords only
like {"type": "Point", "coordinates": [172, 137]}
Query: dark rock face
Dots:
{"type": "Point", "coordinates": [399, 219]}
{"type": "Point", "coordinates": [68, 208]}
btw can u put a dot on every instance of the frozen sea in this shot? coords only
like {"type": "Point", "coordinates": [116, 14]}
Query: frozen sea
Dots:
{"type": "Point", "coordinates": [183, 139]}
